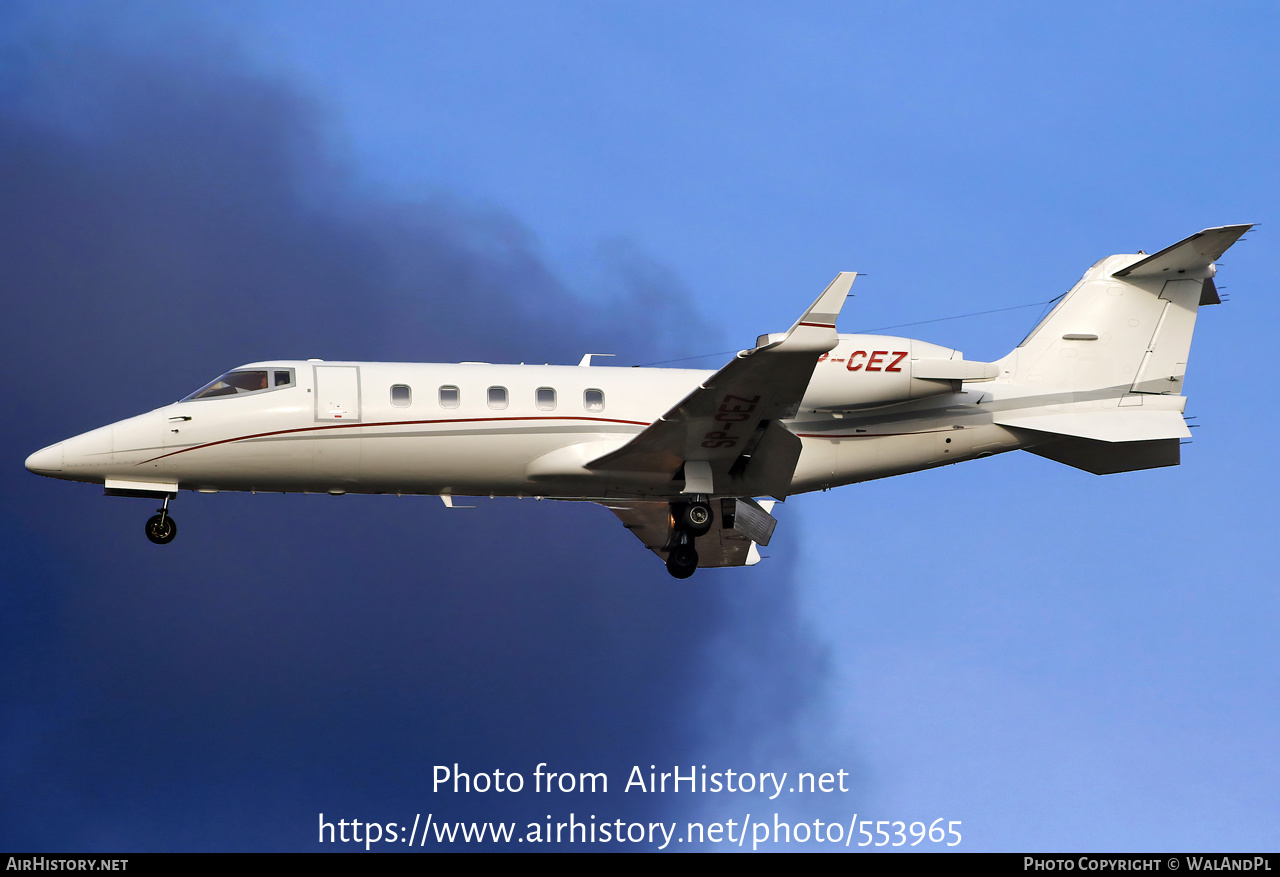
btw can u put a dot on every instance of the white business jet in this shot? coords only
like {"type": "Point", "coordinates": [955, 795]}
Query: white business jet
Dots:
{"type": "Point", "coordinates": [683, 456]}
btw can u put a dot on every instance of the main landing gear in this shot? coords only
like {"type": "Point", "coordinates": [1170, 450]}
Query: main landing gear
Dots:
{"type": "Point", "coordinates": [688, 522]}
{"type": "Point", "coordinates": [161, 528]}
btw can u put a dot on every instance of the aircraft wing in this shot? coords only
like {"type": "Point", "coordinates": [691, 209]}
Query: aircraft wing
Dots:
{"type": "Point", "coordinates": [742, 525]}
{"type": "Point", "coordinates": [730, 420]}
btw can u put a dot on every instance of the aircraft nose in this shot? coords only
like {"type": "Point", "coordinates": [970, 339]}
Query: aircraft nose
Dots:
{"type": "Point", "coordinates": [46, 461]}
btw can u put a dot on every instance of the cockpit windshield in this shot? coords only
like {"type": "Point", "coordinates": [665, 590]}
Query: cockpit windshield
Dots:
{"type": "Point", "coordinates": [239, 383]}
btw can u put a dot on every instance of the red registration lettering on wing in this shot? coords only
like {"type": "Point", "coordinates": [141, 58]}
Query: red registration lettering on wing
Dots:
{"type": "Point", "coordinates": [733, 409]}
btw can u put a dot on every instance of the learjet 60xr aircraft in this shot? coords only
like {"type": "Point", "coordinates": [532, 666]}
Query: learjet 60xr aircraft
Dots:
{"type": "Point", "coordinates": [690, 460]}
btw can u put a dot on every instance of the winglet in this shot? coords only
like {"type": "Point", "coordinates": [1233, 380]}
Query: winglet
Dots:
{"type": "Point", "coordinates": [816, 328]}
{"type": "Point", "coordinates": [823, 312]}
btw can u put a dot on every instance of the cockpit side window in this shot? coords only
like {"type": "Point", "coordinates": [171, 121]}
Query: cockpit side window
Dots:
{"type": "Point", "coordinates": [239, 383]}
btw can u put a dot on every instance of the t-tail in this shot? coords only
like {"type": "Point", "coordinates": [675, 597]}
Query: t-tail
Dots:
{"type": "Point", "coordinates": [1100, 378]}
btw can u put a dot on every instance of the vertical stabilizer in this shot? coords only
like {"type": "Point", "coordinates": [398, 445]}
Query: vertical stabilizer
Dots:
{"type": "Point", "coordinates": [1100, 379]}
{"type": "Point", "coordinates": [1126, 326]}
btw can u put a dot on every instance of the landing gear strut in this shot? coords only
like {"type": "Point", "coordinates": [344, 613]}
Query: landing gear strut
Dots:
{"type": "Point", "coordinates": [161, 528]}
{"type": "Point", "coordinates": [688, 522]}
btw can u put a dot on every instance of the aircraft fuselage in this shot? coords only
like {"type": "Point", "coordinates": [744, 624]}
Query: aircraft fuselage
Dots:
{"type": "Point", "coordinates": [476, 429]}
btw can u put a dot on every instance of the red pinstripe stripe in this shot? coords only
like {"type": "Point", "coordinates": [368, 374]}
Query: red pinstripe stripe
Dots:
{"type": "Point", "coordinates": [386, 423]}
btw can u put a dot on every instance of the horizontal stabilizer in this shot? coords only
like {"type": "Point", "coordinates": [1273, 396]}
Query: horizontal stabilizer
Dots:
{"type": "Point", "coordinates": [1199, 251]}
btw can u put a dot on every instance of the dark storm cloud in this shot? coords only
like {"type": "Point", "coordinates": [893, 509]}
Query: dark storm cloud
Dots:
{"type": "Point", "coordinates": [161, 221]}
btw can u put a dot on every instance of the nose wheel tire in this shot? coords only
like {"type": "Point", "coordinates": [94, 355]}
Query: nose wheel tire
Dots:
{"type": "Point", "coordinates": [161, 529]}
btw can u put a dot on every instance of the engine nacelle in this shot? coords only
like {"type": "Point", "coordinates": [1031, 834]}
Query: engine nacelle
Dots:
{"type": "Point", "coordinates": [867, 370]}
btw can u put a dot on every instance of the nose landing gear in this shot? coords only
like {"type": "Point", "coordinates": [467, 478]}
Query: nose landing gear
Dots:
{"type": "Point", "coordinates": [161, 528]}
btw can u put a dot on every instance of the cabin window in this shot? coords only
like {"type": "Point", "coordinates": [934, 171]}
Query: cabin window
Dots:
{"type": "Point", "coordinates": [593, 400]}
{"type": "Point", "coordinates": [401, 396]}
{"type": "Point", "coordinates": [498, 397]}
{"type": "Point", "coordinates": [545, 397]}
{"type": "Point", "coordinates": [449, 397]}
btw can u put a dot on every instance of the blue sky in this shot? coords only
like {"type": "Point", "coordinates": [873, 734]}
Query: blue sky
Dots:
{"type": "Point", "coordinates": [1061, 661]}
